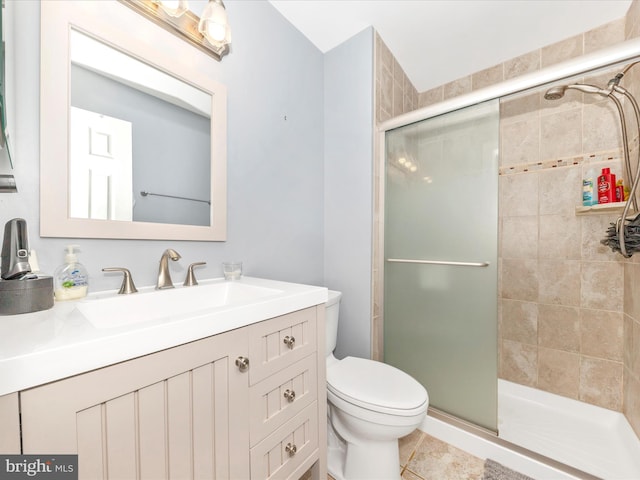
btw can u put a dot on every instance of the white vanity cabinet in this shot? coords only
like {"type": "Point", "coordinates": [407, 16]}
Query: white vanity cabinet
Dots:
{"type": "Point", "coordinates": [194, 411]}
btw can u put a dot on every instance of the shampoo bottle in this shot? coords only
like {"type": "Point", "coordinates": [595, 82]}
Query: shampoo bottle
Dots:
{"type": "Point", "coordinates": [606, 186]}
{"type": "Point", "coordinates": [71, 280]}
{"type": "Point", "coordinates": [589, 196]}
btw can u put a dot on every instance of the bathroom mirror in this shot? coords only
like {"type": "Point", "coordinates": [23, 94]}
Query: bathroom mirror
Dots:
{"type": "Point", "coordinates": [133, 134]}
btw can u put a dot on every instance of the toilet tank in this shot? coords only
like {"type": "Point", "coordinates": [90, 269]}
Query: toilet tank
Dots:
{"type": "Point", "coordinates": [331, 321]}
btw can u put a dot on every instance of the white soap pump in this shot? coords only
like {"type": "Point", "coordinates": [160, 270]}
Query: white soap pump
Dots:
{"type": "Point", "coordinates": [71, 280]}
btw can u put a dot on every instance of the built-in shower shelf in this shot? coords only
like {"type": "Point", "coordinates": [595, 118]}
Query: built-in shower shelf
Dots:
{"type": "Point", "coordinates": [603, 208]}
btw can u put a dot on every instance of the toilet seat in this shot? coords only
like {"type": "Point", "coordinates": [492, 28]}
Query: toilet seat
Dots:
{"type": "Point", "coordinates": [376, 386]}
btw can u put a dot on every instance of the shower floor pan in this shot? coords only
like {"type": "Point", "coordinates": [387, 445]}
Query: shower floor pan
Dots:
{"type": "Point", "coordinates": [592, 439]}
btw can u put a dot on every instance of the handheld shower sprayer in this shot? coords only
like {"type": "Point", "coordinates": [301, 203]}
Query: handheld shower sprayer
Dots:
{"type": "Point", "coordinates": [557, 92]}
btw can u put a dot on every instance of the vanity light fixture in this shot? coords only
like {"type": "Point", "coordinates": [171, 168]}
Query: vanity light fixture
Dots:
{"type": "Point", "coordinates": [214, 26]}
{"type": "Point", "coordinates": [173, 8]}
{"type": "Point", "coordinates": [209, 33]}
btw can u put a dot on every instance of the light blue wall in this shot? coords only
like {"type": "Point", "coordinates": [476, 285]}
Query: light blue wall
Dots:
{"type": "Point", "coordinates": [348, 205]}
{"type": "Point", "coordinates": [274, 77]}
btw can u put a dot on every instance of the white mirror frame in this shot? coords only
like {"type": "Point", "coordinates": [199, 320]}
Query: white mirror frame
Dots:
{"type": "Point", "coordinates": [125, 30]}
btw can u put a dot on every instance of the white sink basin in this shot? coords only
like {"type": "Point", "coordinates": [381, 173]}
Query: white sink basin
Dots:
{"type": "Point", "coordinates": [153, 305]}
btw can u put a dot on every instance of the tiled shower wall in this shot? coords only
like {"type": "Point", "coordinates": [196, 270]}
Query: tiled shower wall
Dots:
{"type": "Point", "coordinates": [569, 322]}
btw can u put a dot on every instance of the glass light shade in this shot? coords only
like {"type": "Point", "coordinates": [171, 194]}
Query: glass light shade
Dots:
{"type": "Point", "coordinates": [214, 26]}
{"type": "Point", "coordinates": [173, 8]}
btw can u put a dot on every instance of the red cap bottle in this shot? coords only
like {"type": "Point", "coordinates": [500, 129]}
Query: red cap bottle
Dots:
{"type": "Point", "coordinates": [606, 186]}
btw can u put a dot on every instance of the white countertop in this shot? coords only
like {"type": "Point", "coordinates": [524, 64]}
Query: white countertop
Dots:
{"type": "Point", "coordinates": [42, 347]}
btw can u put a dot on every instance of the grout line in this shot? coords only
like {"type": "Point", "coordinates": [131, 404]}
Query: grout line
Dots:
{"type": "Point", "coordinates": [413, 473]}
{"type": "Point", "coordinates": [413, 452]}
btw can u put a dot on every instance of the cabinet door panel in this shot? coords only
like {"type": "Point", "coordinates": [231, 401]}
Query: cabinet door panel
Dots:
{"type": "Point", "coordinates": [152, 426]}
{"type": "Point", "coordinates": [10, 421]}
{"type": "Point", "coordinates": [173, 426]}
{"type": "Point", "coordinates": [120, 426]}
{"type": "Point", "coordinates": [90, 447]}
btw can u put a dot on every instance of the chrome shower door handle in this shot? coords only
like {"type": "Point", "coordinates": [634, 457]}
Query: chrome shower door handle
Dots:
{"type": "Point", "coordinates": [438, 262]}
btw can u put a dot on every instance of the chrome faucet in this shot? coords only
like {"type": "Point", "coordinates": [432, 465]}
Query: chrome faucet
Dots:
{"type": "Point", "coordinates": [164, 277]}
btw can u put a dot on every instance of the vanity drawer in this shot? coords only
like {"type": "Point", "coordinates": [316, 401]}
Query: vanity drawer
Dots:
{"type": "Point", "coordinates": [281, 454]}
{"type": "Point", "coordinates": [281, 396]}
{"type": "Point", "coordinates": [281, 341]}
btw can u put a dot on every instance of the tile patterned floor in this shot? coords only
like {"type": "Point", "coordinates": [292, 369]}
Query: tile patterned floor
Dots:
{"type": "Point", "coordinates": [423, 457]}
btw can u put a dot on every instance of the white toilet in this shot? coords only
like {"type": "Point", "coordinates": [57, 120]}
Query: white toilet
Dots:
{"type": "Point", "coordinates": [370, 406]}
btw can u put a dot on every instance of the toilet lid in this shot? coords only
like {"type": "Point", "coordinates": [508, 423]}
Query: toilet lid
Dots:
{"type": "Point", "coordinates": [375, 385]}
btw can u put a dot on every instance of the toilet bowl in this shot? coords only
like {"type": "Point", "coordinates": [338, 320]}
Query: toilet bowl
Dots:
{"type": "Point", "coordinates": [370, 406]}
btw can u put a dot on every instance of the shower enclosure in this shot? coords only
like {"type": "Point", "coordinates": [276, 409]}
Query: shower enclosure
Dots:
{"type": "Point", "coordinates": [440, 250]}
{"type": "Point", "coordinates": [560, 393]}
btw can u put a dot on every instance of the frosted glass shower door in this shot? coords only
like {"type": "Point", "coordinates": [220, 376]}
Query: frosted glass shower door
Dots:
{"type": "Point", "coordinates": [440, 271]}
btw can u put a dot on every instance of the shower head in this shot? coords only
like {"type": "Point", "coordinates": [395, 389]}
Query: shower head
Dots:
{"type": "Point", "coordinates": [557, 92]}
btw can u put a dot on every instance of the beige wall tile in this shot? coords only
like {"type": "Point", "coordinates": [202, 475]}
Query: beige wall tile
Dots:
{"type": "Point", "coordinates": [628, 342]}
{"type": "Point", "coordinates": [632, 403]}
{"type": "Point", "coordinates": [559, 282]}
{"type": "Point", "coordinates": [594, 229]}
{"type": "Point", "coordinates": [561, 134]}
{"type": "Point", "coordinates": [519, 321]}
{"type": "Point", "coordinates": [634, 366]}
{"type": "Point", "coordinates": [602, 285]}
{"type": "Point", "coordinates": [601, 382]}
{"type": "Point", "coordinates": [398, 73]}
{"type": "Point", "coordinates": [529, 62]}
{"type": "Point", "coordinates": [519, 363]}
{"type": "Point", "coordinates": [457, 87]}
{"type": "Point", "coordinates": [519, 194]}
{"type": "Point", "coordinates": [410, 95]}
{"type": "Point", "coordinates": [487, 77]}
{"type": "Point", "coordinates": [601, 128]}
{"type": "Point", "coordinates": [430, 97]}
{"type": "Point", "coordinates": [398, 99]}
{"type": "Point", "coordinates": [520, 142]}
{"type": "Point", "coordinates": [559, 328]}
{"type": "Point", "coordinates": [519, 107]}
{"type": "Point", "coordinates": [519, 238]}
{"type": "Point", "coordinates": [560, 190]}
{"type": "Point", "coordinates": [631, 282]}
{"type": "Point", "coordinates": [560, 236]}
{"type": "Point", "coordinates": [632, 21]}
{"type": "Point", "coordinates": [520, 279]}
{"type": "Point", "coordinates": [605, 35]}
{"type": "Point", "coordinates": [386, 90]}
{"type": "Point", "coordinates": [558, 372]}
{"type": "Point", "coordinates": [601, 334]}
{"type": "Point", "coordinates": [561, 51]}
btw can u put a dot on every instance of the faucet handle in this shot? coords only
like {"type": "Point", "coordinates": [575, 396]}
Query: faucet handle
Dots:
{"type": "Point", "coordinates": [191, 278]}
{"type": "Point", "coordinates": [127, 282]}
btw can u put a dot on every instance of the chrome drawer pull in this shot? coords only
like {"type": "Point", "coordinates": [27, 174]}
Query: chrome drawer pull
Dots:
{"type": "Point", "coordinates": [242, 363]}
{"type": "Point", "coordinates": [290, 395]}
{"type": "Point", "coordinates": [291, 449]}
{"type": "Point", "coordinates": [289, 341]}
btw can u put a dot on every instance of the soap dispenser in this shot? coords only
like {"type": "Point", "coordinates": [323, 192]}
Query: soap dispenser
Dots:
{"type": "Point", "coordinates": [71, 280]}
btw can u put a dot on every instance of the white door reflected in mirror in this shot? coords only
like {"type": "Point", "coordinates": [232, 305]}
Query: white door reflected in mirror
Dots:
{"type": "Point", "coordinates": [100, 167]}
